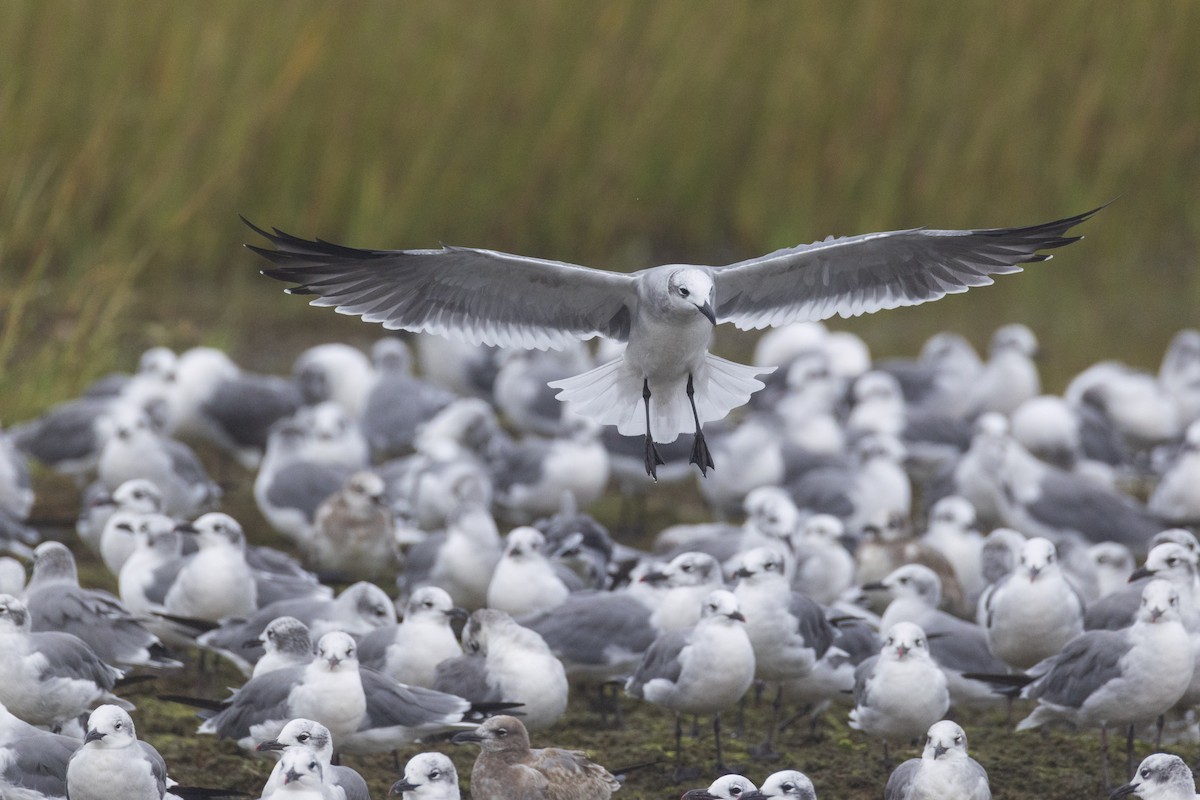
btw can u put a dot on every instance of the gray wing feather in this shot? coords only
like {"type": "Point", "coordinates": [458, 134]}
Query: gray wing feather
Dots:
{"type": "Point", "coordinates": [899, 783]}
{"type": "Point", "coordinates": [962, 646]}
{"type": "Point", "coordinates": [304, 485]}
{"type": "Point", "coordinates": [1070, 502]}
{"type": "Point", "coordinates": [811, 623]}
{"type": "Point", "coordinates": [39, 763]}
{"type": "Point", "coordinates": [184, 462]}
{"type": "Point", "coordinates": [583, 628]}
{"type": "Point", "coordinates": [466, 676]}
{"type": "Point", "coordinates": [96, 617]}
{"type": "Point", "coordinates": [863, 673]}
{"type": "Point", "coordinates": [157, 765]}
{"type": "Point", "coordinates": [351, 782]}
{"type": "Point", "coordinates": [68, 657]}
{"type": "Point", "coordinates": [390, 704]}
{"type": "Point", "coordinates": [1086, 663]}
{"type": "Point", "coordinates": [260, 699]}
{"type": "Point", "coordinates": [661, 661]}
{"type": "Point", "coordinates": [861, 274]}
{"type": "Point", "coordinates": [372, 647]}
{"type": "Point", "coordinates": [481, 296]}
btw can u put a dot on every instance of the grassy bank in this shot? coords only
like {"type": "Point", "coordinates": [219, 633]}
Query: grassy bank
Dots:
{"type": "Point", "coordinates": [617, 134]}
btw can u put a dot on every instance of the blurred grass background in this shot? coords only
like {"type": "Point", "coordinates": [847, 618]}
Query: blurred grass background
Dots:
{"type": "Point", "coordinates": [616, 134]}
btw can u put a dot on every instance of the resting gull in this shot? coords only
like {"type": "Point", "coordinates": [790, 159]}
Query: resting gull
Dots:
{"type": "Point", "coordinates": [666, 314]}
{"type": "Point", "coordinates": [943, 770]}
{"type": "Point", "coordinates": [785, 783]}
{"type": "Point", "coordinates": [1160, 776]}
{"type": "Point", "coordinates": [507, 768]}
{"type": "Point", "coordinates": [428, 776]}
{"type": "Point", "coordinates": [305, 734]}
{"type": "Point", "coordinates": [726, 787]}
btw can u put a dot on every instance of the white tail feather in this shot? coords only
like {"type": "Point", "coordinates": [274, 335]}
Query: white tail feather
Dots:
{"type": "Point", "coordinates": [611, 394]}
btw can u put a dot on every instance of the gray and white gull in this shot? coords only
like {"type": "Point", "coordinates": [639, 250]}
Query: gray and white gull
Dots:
{"type": "Point", "coordinates": [666, 314]}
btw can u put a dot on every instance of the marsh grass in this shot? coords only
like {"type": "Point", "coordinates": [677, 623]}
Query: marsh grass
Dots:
{"type": "Point", "coordinates": [613, 134]}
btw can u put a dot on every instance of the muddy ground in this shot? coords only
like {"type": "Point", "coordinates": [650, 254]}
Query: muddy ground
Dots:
{"type": "Point", "coordinates": [843, 763]}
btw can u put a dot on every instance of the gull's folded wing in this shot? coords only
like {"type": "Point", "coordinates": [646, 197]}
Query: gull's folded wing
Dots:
{"type": "Point", "coordinates": [481, 296]}
{"type": "Point", "coordinates": [862, 274]}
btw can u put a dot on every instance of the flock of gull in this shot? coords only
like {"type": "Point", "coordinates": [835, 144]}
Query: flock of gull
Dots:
{"type": "Point", "coordinates": [894, 542]}
{"type": "Point", "coordinates": [916, 536]}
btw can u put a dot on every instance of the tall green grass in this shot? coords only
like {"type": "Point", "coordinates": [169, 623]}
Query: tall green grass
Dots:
{"type": "Point", "coordinates": [615, 134]}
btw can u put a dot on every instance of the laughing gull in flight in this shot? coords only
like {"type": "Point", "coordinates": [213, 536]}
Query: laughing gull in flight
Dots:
{"type": "Point", "coordinates": [305, 734]}
{"type": "Point", "coordinates": [785, 783]}
{"type": "Point", "coordinates": [901, 692]}
{"type": "Point", "coordinates": [113, 763]}
{"type": "Point", "coordinates": [701, 670]}
{"type": "Point", "coordinates": [428, 776]}
{"type": "Point", "coordinates": [1160, 776]}
{"type": "Point", "coordinates": [508, 768]}
{"type": "Point", "coordinates": [726, 787]}
{"type": "Point", "coordinates": [49, 677]}
{"type": "Point", "coordinates": [666, 314]}
{"type": "Point", "coordinates": [943, 770]}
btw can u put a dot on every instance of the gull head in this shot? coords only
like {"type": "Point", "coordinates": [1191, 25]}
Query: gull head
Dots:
{"type": "Point", "coordinates": [761, 561]}
{"type": "Point", "coordinates": [1037, 555]}
{"type": "Point", "coordinates": [524, 542]}
{"type": "Point", "coordinates": [497, 734]}
{"type": "Point", "coordinates": [110, 727]}
{"type": "Point", "coordinates": [301, 732]}
{"type": "Point", "coordinates": [1160, 775]}
{"type": "Point", "coordinates": [428, 775]}
{"type": "Point", "coordinates": [953, 512]}
{"type": "Point", "coordinates": [721, 605]}
{"type": "Point", "coordinates": [787, 783]}
{"type": "Point", "coordinates": [301, 770]}
{"type": "Point", "coordinates": [14, 616]}
{"type": "Point", "coordinates": [1160, 602]}
{"type": "Point", "coordinates": [335, 651]}
{"type": "Point", "coordinates": [689, 290]}
{"type": "Point", "coordinates": [905, 639]}
{"type": "Point", "coordinates": [944, 737]}
{"type": "Point", "coordinates": [687, 569]}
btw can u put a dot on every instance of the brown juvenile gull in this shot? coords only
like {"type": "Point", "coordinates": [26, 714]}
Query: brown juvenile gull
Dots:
{"type": "Point", "coordinates": [507, 769]}
{"type": "Point", "coordinates": [664, 314]}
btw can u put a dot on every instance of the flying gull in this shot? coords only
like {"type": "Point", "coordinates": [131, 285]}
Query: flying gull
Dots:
{"type": "Point", "coordinates": [665, 314]}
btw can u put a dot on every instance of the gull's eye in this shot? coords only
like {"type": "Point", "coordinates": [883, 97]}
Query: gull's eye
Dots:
{"type": "Point", "coordinates": [903, 581]}
{"type": "Point", "coordinates": [891, 640]}
{"type": "Point", "coordinates": [117, 726]}
{"type": "Point", "coordinates": [1145, 773]}
{"type": "Point", "coordinates": [787, 787]}
{"type": "Point", "coordinates": [1172, 561]}
{"type": "Point", "coordinates": [919, 643]}
{"type": "Point", "coordinates": [683, 292]}
{"type": "Point", "coordinates": [434, 775]}
{"type": "Point", "coordinates": [958, 740]}
{"type": "Point", "coordinates": [501, 733]}
{"type": "Point", "coordinates": [687, 568]}
{"type": "Point", "coordinates": [736, 791]}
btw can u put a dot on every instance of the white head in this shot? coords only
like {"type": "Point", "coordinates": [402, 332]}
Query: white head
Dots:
{"type": "Point", "coordinates": [365, 490]}
{"type": "Point", "coordinates": [1037, 556]}
{"type": "Point", "coordinates": [771, 510]}
{"type": "Point", "coordinates": [761, 565]}
{"type": "Point", "coordinates": [688, 569]}
{"type": "Point", "coordinates": [945, 739]}
{"type": "Point", "coordinates": [721, 605]}
{"type": "Point", "coordinates": [303, 733]}
{"type": "Point", "coordinates": [690, 290]}
{"type": "Point", "coordinates": [788, 783]}
{"type": "Point", "coordinates": [1160, 776]}
{"type": "Point", "coordinates": [301, 770]}
{"type": "Point", "coordinates": [367, 605]}
{"type": "Point", "coordinates": [914, 581]}
{"type": "Point", "coordinates": [140, 495]}
{"type": "Point", "coordinates": [1169, 561]}
{"type": "Point", "coordinates": [336, 652]}
{"type": "Point", "coordinates": [824, 528]}
{"type": "Point", "coordinates": [953, 511]}
{"type": "Point", "coordinates": [14, 615]}
{"type": "Point", "coordinates": [1160, 603]}
{"type": "Point", "coordinates": [428, 776]}
{"type": "Point", "coordinates": [905, 640]}
{"type": "Point", "coordinates": [1014, 338]}
{"type": "Point", "coordinates": [110, 727]}
{"type": "Point", "coordinates": [524, 542]}
{"type": "Point", "coordinates": [430, 601]}
{"type": "Point", "coordinates": [218, 529]}
{"type": "Point", "coordinates": [730, 787]}
{"type": "Point", "coordinates": [286, 635]}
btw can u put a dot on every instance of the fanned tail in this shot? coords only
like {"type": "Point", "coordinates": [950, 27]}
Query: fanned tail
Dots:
{"type": "Point", "coordinates": [611, 394]}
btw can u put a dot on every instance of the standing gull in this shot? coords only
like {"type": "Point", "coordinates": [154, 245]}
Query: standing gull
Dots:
{"type": "Point", "coordinates": [666, 314]}
{"type": "Point", "coordinates": [943, 770]}
{"type": "Point", "coordinates": [113, 763]}
{"type": "Point", "coordinates": [507, 769]}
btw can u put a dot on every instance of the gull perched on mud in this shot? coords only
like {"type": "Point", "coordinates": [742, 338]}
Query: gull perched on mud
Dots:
{"type": "Point", "coordinates": [664, 314]}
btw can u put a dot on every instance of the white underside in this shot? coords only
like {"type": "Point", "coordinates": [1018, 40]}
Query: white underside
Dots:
{"type": "Point", "coordinates": [611, 394]}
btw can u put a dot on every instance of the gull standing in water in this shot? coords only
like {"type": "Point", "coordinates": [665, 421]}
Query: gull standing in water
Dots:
{"type": "Point", "coordinates": [664, 314]}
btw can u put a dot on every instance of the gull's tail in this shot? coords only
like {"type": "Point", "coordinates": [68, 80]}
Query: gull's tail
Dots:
{"type": "Point", "coordinates": [611, 394]}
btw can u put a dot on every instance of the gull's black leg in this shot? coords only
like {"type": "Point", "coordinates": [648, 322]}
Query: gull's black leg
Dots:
{"type": "Point", "coordinates": [653, 459]}
{"type": "Point", "coordinates": [700, 455]}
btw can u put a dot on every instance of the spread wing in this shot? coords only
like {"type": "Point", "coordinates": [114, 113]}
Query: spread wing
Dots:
{"type": "Point", "coordinates": [862, 274]}
{"type": "Point", "coordinates": [480, 296]}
